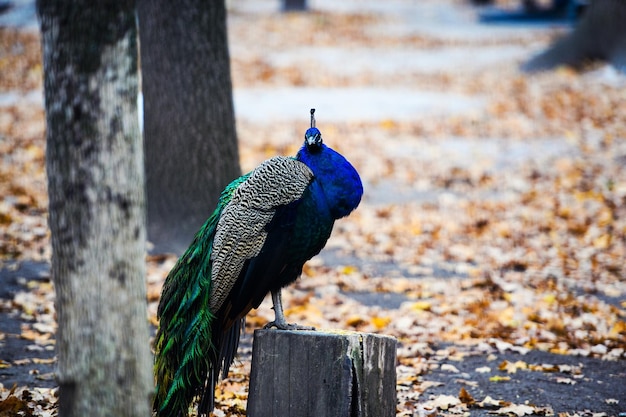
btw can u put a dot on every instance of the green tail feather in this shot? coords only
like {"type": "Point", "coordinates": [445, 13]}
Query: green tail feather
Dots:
{"type": "Point", "coordinates": [184, 344]}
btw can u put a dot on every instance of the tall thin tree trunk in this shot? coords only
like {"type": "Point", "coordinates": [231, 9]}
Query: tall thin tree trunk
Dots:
{"type": "Point", "coordinates": [189, 124]}
{"type": "Point", "coordinates": [95, 182]}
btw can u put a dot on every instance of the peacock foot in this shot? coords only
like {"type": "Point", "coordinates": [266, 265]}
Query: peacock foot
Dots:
{"type": "Point", "coordinates": [283, 325]}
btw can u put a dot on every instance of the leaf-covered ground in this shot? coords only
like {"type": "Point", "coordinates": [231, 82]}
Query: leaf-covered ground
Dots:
{"type": "Point", "coordinates": [491, 240]}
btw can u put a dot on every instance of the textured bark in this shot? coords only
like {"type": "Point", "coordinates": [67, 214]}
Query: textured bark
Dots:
{"type": "Point", "coordinates": [95, 173]}
{"type": "Point", "coordinates": [600, 35]}
{"type": "Point", "coordinates": [189, 124]}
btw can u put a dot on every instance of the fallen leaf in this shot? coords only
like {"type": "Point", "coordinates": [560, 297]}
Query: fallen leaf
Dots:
{"type": "Point", "coordinates": [428, 384]}
{"type": "Point", "coordinates": [465, 397]}
{"type": "Point", "coordinates": [602, 242]}
{"type": "Point", "coordinates": [349, 269]}
{"type": "Point", "coordinates": [516, 409]}
{"type": "Point", "coordinates": [422, 306]}
{"type": "Point", "coordinates": [618, 329]}
{"type": "Point", "coordinates": [444, 402]}
{"type": "Point", "coordinates": [489, 402]}
{"type": "Point", "coordinates": [44, 328]}
{"type": "Point", "coordinates": [568, 381]}
{"type": "Point", "coordinates": [473, 384]}
{"type": "Point", "coordinates": [449, 368]}
{"type": "Point", "coordinates": [512, 367]}
{"type": "Point", "coordinates": [544, 411]}
{"type": "Point", "coordinates": [380, 322]}
{"type": "Point", "coordinates": [13, 406]}
{"type": "Point", "coordinates": [41, 361]}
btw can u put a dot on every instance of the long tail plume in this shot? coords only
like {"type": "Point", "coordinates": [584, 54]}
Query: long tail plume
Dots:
{"type": "Point", "coordinates": [188, 351]}
{"type": "Point", "coordinates": [183, 342]}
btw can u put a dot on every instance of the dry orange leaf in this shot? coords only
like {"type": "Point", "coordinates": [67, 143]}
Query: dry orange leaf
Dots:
{"type": "Point", "coordinates": [602, 242]}
{"type": "Point", "coordinates": [349, 269]}
{"type": "Point", "coordinates": [512, 367]}
{"type": "Point", "coordinates": [422, 306]}
{"type": "Point", "coordinates": [618, 329]}
{"type": "Point", "coordinates": [465, 397]}
{"type": "Point", "coordinates": [380, 322]}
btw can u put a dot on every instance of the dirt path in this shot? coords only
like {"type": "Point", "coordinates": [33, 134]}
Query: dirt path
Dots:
{"type": "Point", "coordinates": [552, 383]}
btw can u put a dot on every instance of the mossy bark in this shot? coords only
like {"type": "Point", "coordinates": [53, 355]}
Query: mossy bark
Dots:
{"type": "Point", "coordinates": [94, 164]}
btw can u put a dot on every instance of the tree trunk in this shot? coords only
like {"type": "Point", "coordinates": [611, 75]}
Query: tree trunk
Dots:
{"type": "Point", "coordinates": [189, 123]}
{"type": "Point", "coordinates": [294, 6]}
{"type": "Point", "coordinates": [600, 35]}
{"type": "Point", "coordinates": [95, 182]}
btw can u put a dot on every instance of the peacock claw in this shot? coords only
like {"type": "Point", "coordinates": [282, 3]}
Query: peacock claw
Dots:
{"type": "Point", "coordinates": [287, 326]}
{"type": "Point", "coordinates": [280, 322]}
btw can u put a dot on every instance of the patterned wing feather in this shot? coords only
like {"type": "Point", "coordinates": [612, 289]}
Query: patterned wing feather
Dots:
{"type": "Point", "coordinates": [241, 231]}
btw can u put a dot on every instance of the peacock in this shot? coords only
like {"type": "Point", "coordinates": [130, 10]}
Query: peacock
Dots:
{"type": "Point", "coordinates": [267, 224]}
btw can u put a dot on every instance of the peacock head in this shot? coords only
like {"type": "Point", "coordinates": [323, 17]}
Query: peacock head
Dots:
{"type": "Point", "coordinates": [313, 138]}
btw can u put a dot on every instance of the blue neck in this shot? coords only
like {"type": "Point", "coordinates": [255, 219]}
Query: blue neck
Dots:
{"type": "Point", "coordinates": [339, 181]}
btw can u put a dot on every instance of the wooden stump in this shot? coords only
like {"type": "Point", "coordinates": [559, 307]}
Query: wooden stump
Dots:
{"type": "Point", "coordinates": [313, 373]}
